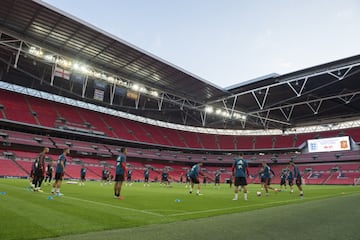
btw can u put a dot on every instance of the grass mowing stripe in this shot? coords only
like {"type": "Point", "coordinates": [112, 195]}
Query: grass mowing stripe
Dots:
{"type": "Point", "coordinates": [102, 204]}
{"type": "Point", "coordinates": [114, 206]}
{"type": "Point", "coordinates": [248, 206]}
{"type": "Point", "coordinates": [306, 221]}
{"type": "Point", "coordinates": [92, 208]}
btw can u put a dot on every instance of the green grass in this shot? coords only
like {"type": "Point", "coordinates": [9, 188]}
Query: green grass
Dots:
{"type": "Point", "coordinates": [29, 215]}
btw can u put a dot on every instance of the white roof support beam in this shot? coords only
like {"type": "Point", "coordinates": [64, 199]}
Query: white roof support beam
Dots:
{"type": "Point", "coordinates": [298, 94]}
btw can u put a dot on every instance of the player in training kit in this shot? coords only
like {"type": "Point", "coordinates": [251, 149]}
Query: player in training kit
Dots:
{"type": "Point", "coordinates": [120, 173]}
{"type": "Point", "coordinates": [128, 178]}
{"type": "Point", "coordinates": [165, 178]}
{"type": "Point", "coordinates": [146, 177]}
{"type": "Point", "coordinates": [187, 179]}
{"type": "Point", "coordinates": [267, 174]}
{"type": "Point", "coordinates": [104, 175]}
{"type": "Point", "coordinates": [283, 179]}
{"type": "Point", "coordinates": [217, 179]}
{"type": "Point", "coordinates": [240, 172]}
{"type": "Point", "coordinates": [262, 178]}
{"type": "Point", "coordinates": [194, 178]}
{"type": "Point", "coordinates": [290, 179]}
{"type": "Point", "coordinates": [39, 170]}
{"type": "Point", "coordinates": [60, 172]}
{"type": "Point", "coordinates": [297, 176]}
{"type": "Point", "coordinates": [181, 178]}
{"type": "Point", "coordinates": [49, 172]}
{"type": "Point", "coordinates": [82, 176]}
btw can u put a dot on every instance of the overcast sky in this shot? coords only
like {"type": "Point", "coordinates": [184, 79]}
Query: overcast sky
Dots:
{"type": "Point", "coordinates": [230, 41]}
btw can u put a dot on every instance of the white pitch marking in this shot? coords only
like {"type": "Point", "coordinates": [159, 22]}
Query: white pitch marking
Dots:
{"type": "Point", "coordinates": [109, 205]}
{"type": "Point", "coordinates": [244, 206]}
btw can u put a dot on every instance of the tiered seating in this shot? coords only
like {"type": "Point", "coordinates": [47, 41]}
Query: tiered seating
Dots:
{"type": "Point", "coordinates": [119, 128]}
{"type": "Point", "coordinates": [45, 113]}
{"type": "Point", "coordinates": [284, 141]}
{"type": "Point", "coordinates": [25, 154]}
{"type": "Point", "coordinates": [349, 167]}
{"type": "Point", "coordinates": [96, 121]}
{"type": "Point", "coordinates": [49, 114]}
{"type": "Point", "coordinates": [191, 139]}
{"type": "Point", "coordinates": [156, 135]}
{"type": "Point", "coordinates": [208, 141]}
{"type": "Point", "coordinates": [317, 178]}
{"type": "Point", "coordinates": [346, 178]}
{"type": "Point", "coordinates": [69, 113]}
{"type": "Point", "coordinates": [354, 133]}
{"type": "Point", "coordinates": [27, 165]}
{"type": "Point", "coordinates": [302, 138]}
{"type": "Point", "coordinates": [264, 142]}
{"type": "Point", "coordinates": [226, 142]}
{"type": "Point", "coordinates": [9, 168]}
{"type": "Point", "coordinates": [16, 108]}
{"type": "Point", "coordinates": [138, 131]}
{"type": "Point", "coordinates": [175, 137]}
{"type": "Point", "coordinates": [26, 139]}
{"type": "Point", "coordinates": [244, 142]}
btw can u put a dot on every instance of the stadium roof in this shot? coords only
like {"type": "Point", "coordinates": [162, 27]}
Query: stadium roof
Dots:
{"type": "Point", "coordinates": [322, 94]}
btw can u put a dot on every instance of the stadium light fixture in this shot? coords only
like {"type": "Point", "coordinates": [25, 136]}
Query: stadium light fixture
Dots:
{"type": "Point", "coordinates": [88, 70]}
{"type": "Point", "coordinates": [84, 69]}
{"type": "Point", "coordinates": [135, 87]}
{"type": "Point", "coordinates": [154, 93]}
{"type": "Point", "coordinates": [36, 51]}
{"type": "Point", "coordinates": [111, 79]}
{"type": "Point", "coordinates": [143, 90]}
{"type": "Point", "coordinates": [209, 109]}
{"type": "Point", "coordinates": [76, 66]}
{"type": "Point", "coordinates": [49, 58]}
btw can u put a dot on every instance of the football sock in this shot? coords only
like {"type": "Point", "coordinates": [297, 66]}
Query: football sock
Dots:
{"type": "Point", "coordinates": [245, 196]}
{"type": "Point", "coordinates": [236, 196]}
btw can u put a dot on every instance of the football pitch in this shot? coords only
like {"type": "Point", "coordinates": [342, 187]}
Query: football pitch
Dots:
{"type": "Point", "coordinates": [157, 212]}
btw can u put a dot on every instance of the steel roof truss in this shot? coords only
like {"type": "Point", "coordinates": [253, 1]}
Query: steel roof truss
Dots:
{"type": "Point", "coordinates": [287, 114]}
{"type": "Point", "coordinates": [261, 105]}
{"type": "Point", "coordinates": [298, 94]}
{"type": "Point", "coordinates": [339, 75]}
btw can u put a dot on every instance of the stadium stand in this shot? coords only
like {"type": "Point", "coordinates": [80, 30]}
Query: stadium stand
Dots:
{"type": "Point", "coordinates": [30, 110]}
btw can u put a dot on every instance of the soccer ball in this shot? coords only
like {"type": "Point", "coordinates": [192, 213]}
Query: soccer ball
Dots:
{"type": "Point", "coordinates": [258, 194]}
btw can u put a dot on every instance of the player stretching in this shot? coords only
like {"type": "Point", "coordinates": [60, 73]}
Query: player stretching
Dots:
{"type": "Point", "coordinates": [60, 171]}
{"type": "Point", "coordinates": [120, 173]}
{"type": "Point", "coordinates": [39, 170]}
{"type": "Point", "coordinates": [240, 172]}
{"type": "Point", "coordinates": [297, 176]}
{"type": "Point", "coordinates": [267, 175]}
{"type": "Point", "coordinates": [194, 178]}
